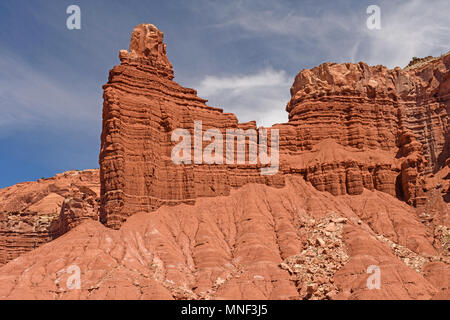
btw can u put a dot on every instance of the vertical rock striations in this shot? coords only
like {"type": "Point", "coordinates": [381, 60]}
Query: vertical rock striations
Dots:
{"type": "Point", "coordinates": [142, 107]}
{"type": "Point", "coordinates": [403, 112]}
{"type": "Point", "coordinates": [359, 139]}
{"type": "Point", "coordinates": [351, 127]}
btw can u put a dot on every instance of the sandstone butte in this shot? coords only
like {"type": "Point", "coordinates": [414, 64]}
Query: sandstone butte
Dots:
{"type": "Point", "coordinates": [363, 180]}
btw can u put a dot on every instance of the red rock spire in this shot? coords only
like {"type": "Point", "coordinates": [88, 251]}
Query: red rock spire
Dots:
{"type": "Point", "coordinates": [147, 47]}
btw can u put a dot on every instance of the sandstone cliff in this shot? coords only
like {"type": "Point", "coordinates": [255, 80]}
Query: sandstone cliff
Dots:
{"type": "Point", "coordinates": [258, 242]}
{"type": "Point", "coordinates": [364, 179]}
{"type": "Point", "coordinates": [34, 213]}
{"type": "Point", "coordinates": [400, 114]}
{"type": "Point", "coordinates": [142, 107]}
{"type": "Point", "coordinates": [351, 127]}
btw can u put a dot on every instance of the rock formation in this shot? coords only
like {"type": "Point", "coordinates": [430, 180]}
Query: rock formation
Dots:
{"type": "Point", "coordinates": [351, 127]}
{"type": "Point", "coordinates": [259, 242]}
{"type": "Point", "coordinates": [142, 106]}
{"type": "Point", "coordinates": [34, 213]}
{"type": "Point", "coordinates": [374, 109]}
{"type": "Point", "coordinates": [363, 180]}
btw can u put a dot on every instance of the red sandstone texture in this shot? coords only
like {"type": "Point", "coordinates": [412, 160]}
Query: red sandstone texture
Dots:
{"type": "Point", "coordinates": [34, 213]}
{"type": "Point", "coordinates": [363, 181]}
{"type": "Point", "coordinates": [259, 242]}
{"type": "Point", "coordinates": [142, 107]}
{"type": "Point", "coordinates": [385, 129]}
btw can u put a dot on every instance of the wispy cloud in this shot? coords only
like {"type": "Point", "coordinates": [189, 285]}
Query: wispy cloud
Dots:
{"type": "Point", "coordinates": [409, 28]}
{"type": "Point", "coordinates": [261, 96]}
{"type": "Point", "coordinates": [29, 97]}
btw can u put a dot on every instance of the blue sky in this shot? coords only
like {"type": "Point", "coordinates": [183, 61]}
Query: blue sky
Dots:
{"type": "Point", "coordinates": [241, 55]}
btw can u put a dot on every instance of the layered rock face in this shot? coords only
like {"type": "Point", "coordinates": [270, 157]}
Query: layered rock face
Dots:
{"type": "Point", "coordinates": [362, 147]}
{"type": "Point", "coordinates": [429, 120]}
{"type": "Point", "coordinates": [351, 127]}
{"type": "Point", "coordinates": [34, 213]}
{"type": "Point", "coordinates": [369, 107]}
{"type": "Point", "coordinates": [259, 242]}
{"type": "Point", "coordinates": [142, 107]}
{"type": "Point", "coordinates": [373, 108]}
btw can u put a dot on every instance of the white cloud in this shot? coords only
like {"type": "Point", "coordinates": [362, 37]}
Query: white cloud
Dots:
{"type": "Point", "coordinates": [409, 28]}
{"type": "Point", "coordinates": [293, 24]}
{"type": "Point", "coordinates": [261, 96]}
{"type": "Point", "coordinates": [413, 28]}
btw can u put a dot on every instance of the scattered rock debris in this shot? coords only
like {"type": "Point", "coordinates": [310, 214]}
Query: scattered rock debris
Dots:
{"type": "Point", "coordinates": [410, 258]}
{"type": "Point", "coordinates": [313, 269]}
